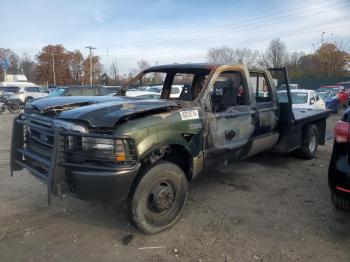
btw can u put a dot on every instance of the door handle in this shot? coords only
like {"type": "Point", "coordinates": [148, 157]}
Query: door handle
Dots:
{"type": "Point", "coordinates": [229, 135]}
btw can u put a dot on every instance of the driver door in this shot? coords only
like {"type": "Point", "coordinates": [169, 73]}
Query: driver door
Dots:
{"type": "Point", "coordinates": [231, 120]}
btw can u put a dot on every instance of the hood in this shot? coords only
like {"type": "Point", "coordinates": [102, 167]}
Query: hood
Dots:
{"type": "Point", "coordinates": [101, 111]}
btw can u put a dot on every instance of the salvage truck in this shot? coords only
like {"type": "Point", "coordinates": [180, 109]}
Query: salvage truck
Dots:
{"type": "Point", "coordinates": [145, 151]}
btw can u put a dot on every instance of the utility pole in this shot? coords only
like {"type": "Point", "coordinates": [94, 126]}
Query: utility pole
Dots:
{"type": "Point", "coordinates": [5, 68]}
{"type": "Point", "coordinates": [91, 48]}
{"type": "Point", "coordinates": [107, 62]}
{"type": "Point", "coordinates": [53, 68]}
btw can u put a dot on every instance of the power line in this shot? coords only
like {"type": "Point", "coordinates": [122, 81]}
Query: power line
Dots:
{"type": "Point", "coordinates": [287, 35]}
{"type": "Point", "coordinates": [232, 27]}
{"type": "Point", "coordinates": [264, 25]}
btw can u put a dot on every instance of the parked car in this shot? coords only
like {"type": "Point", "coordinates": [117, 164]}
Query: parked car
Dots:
{"type": "Point", "coordinates": [291, 86]}
{"type": "Point", "coordinates": [303, 98]}
{"type": "Point", "coordinates": [116, 148]}
{"type": "Point", "coordinates": [24, 93]}
{"type": "Point", "coordinates": [331, 100]}
{"type": "Point", "coordinates": [79, 91]}
{"type": "Point", "coordinates": [142, 94]}
{"type": "Point", "coordinates": [339, 90]}
{"type": "Point", "coordinates": [176, 91]}
{"type": "Point", "coordinates": [155, 89]}
{"type": "Point", "coordinates": [9, 90]}
{"type": "Point", "coordinates": [346, 85]}
{"type": "Point", "coordinates": [112, 89]}
{"type": "Point", "coordinates": [339, 167]}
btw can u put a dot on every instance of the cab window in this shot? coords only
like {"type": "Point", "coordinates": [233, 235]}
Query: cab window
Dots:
{"type": "Point", "coordinates": [261, 87]}
{"type": "Point", "coordinates": [229, 90]}
{"type": "Point", "coordinates": [74, 91]}
{"type": "Point", "coordinates": [89, 91]}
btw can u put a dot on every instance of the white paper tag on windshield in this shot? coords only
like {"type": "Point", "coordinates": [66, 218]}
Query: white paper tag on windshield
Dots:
{"type": "Point", "coordinates": [189, 114]}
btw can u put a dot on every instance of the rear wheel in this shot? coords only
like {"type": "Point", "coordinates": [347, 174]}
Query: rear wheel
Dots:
{"type": "Point", "coordinates": [159, 197]}
{"type": "Point", "coordinates": [340, 203]}
{"type": "Point", "coordinates": [310, 142]}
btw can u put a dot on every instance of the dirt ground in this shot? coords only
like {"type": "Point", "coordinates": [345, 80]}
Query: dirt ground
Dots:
{"type": "Point", "coordinates": [267, 208]}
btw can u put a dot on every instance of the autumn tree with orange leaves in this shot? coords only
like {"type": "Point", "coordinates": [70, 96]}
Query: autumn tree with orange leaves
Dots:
{"type": "Point", "coordinates": [70, 67]}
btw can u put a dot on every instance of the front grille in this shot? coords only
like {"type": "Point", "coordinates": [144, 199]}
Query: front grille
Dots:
{"type": "Point", "coordinates": [50, 153]}
{"type": "Point", "coordinates": [38, 141]}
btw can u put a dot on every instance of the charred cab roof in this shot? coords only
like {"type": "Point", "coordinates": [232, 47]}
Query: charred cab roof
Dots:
{"type": "Point", "coordinates": [195, 67]}
{"type": "Point", "coordinates": [204, 67]}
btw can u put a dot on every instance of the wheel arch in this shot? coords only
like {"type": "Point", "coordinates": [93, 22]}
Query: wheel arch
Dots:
{"type": "Point", "coordinates": [321, 127]}
{"type": "Point", "coordinates": [177, 153]}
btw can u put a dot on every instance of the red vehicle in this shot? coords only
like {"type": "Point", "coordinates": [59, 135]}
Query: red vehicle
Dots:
{"type": "Point", "coordinates": [342, 94]}
{"type": "Point", "coordinates": [346, 85]}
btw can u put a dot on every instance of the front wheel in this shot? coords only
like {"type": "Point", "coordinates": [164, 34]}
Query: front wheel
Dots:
{"type": "Point", "coordinates": [14, 107]}
{"type": "Point", "coordinates": [159, 197]}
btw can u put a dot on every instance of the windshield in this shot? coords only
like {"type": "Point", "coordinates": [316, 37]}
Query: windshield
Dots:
{"type": "Point", "coordinates": [57, 92]}
{"type": "Point", "coordinates": [297, 97]}
{"type": "Point", "coordinates": [325, 95]}
{"type": "Point", "coordinates": [291, 86]}
{"type": "Point", "coordinates": [334, 89]}
{"type": "Point", "coordinates": [13, 89]}
{"type": "Point", "coordinates": [177, 85]}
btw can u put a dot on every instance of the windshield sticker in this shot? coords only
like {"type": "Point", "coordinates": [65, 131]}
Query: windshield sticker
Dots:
{"type": "Point", "coordinates": [189, 114]}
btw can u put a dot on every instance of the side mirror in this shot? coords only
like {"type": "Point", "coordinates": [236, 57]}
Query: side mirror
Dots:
{"type": "Point", "coordinates": [312, 101]}
{"type": "Point", "coordinates": [317, 97]}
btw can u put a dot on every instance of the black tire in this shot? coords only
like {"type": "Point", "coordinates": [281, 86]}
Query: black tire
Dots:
{"type": "Point", "coordinates": [310, 142]}
{"type": "Point", "coordinates": [14, 107]}
{"type": "Point", "coordinates": [340, 203]}
{"type": "Point", "coordinates": [158, 198]}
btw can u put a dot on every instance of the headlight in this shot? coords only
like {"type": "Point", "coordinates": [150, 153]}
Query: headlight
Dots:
{"type": "Point", "coordinates": [71, 126]}
{"type": "Point", "coordinates": [114, 146]}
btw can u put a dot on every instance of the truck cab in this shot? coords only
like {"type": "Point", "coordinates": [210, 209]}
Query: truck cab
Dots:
{"type": "Point", "coordinates": [145, 151]}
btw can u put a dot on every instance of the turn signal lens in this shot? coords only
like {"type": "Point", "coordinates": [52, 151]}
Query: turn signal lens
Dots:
{"type": "Point", "coordinates": [120, 157]}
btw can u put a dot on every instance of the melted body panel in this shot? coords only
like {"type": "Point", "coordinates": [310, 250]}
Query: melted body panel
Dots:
{"type": "Point", "coordinates": [192, 133]}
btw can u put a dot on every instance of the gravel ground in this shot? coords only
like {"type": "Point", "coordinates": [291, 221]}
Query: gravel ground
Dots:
{"type": "Point", "coordinates": [268, 208]}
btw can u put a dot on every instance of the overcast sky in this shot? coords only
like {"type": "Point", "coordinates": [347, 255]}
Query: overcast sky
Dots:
{"type": "Point", "coordinates": [168, 31]}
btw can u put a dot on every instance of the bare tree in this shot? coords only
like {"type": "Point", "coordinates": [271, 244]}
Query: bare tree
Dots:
{"type": "Point", "coordinates": [247, 57]}
{"type": "Point", "coordinates": [132, 73]}
{"type": "Point", "coordinates": [28, 65]}
{"type": "Point", "coordinates": [228, 55]}
{"type": "Point", "coordinates": [294, 63]}
{"type": "Point", "coordinates": [77, 65]}
{"type": "Point", "coordinates": [221, 55]}
{"type": "Point", "coordinates": [142, 65]}
{"type": "Point", "coordinates": [276, 54]}
{"type": "Point", "coordinates": [115, 70]}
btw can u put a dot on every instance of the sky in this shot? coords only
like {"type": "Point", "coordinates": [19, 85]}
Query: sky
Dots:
{"type": "Point", "coordinates": [168, 31]}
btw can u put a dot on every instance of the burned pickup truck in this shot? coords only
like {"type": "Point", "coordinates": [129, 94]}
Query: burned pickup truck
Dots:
{"type": "Point", "coordinates": [118, 148]}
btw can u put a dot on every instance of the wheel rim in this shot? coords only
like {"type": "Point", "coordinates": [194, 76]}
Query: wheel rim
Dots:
{"type": "Point", "coordinates": [312, 142]}
{"type": "Point", "coordinates": [161, 197]}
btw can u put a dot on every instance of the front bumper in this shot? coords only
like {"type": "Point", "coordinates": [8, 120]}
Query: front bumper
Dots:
{"type": "Point", "coordinates": [52, 163]}
{"type": "Point", "coordinates": [339, 171]}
